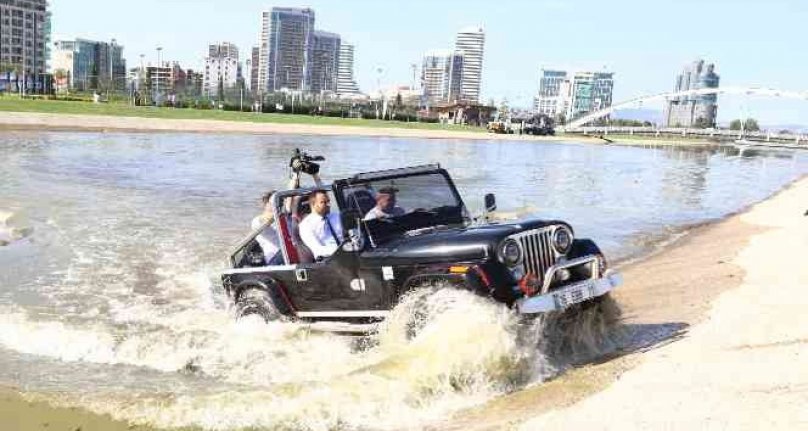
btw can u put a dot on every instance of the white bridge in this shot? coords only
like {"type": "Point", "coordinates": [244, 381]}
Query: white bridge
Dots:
{"type": "Point", "coordinates": [757, 91]}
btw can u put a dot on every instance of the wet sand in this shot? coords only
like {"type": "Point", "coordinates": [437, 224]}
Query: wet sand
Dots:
{"type": "Point", "coordinates": [714, 320]}
{"type": "Point", "coordinates": [716, 337]}
{"type": "Point", "coordinates": [18, 413]}
{"type": "Point", "coordinates": [744, 364]}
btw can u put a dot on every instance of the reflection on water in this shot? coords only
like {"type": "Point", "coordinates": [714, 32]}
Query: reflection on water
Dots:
{"type": "Point", "coordinates": [113, 291]}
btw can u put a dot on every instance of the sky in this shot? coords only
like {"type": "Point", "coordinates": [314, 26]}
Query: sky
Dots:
{"type": "Point", "coordinates": [645, 43]}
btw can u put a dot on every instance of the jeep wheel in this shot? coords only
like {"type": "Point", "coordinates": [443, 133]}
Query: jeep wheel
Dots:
{"type": "Point", "coordinates": [428, 300]}
{"type": "Point", "coordinates": [258, 301]}
{"type": "Point", "coordinates": [583, 331]}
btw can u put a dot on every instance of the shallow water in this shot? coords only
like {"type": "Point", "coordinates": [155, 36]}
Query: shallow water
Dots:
{"type": "Point", "coordinates": [111, 301]}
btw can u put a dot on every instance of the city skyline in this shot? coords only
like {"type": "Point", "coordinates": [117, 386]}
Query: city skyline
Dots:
{"type": "Point", "coordinates": [645, 49]}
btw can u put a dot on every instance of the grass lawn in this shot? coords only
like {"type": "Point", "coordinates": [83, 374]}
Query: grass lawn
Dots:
{"type": "Point", "coordinates": [14, 104]}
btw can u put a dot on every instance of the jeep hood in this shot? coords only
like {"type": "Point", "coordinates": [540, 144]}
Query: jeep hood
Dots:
{"type": "Point", "coordinates": [467, 244]}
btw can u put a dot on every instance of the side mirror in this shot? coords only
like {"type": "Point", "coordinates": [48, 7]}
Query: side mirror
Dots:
{"type": "Point", "coordinates": [490, 202]}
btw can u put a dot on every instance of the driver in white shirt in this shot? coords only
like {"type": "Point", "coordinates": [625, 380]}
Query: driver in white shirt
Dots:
{"type": "Point", "coordinates": [385, 205]}
{"type": "Point", "coordinates": [321, 230]}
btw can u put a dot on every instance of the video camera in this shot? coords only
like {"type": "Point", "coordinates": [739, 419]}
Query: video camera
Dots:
{"type": "Point", "coordinates": [302, 162]}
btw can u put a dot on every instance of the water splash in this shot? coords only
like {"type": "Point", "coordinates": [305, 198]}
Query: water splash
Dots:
{"type": "Point", "coordinates": [14, 227]}
{"type": "Point", "coordinates": [466, 351]}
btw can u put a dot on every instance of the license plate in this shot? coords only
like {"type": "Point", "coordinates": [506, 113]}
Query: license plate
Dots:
{"type": "Point", "coordinates": [572, 295]}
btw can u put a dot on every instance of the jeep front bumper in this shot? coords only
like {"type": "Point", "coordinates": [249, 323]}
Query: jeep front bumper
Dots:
{"type": "Point", "coordinates": [570, 294]}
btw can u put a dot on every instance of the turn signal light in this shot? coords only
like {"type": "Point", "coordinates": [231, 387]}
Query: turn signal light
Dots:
{"type": "Point", "coordinates": [460, 269]}
{"type": "Point", "coordinates": [530, 284]}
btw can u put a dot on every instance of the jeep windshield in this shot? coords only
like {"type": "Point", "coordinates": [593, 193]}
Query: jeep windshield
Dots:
{"type": "Point", "coordinates": [392, 207]}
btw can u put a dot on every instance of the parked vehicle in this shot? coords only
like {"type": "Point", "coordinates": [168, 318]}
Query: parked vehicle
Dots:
{"type": "Point", "coordinates": [540, 125]}
{"type": "Point", "coordinates": [499, 127]}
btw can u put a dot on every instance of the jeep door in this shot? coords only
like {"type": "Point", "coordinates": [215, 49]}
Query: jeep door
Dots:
{"type": "Point", "coordinates": [336, 287]}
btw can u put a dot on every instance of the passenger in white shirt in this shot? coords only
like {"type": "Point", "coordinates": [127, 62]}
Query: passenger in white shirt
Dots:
{"type": "Point", "coordinates": [321, 230]}
{"type": "Point", "coordinates": [385, 205]}
{"type": "Point", "coordinates": [268, 238]}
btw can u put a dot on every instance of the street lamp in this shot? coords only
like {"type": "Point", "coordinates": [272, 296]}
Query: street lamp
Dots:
{"type": "Point", "coordinates": [157, 73]}
{"type": "Point", "coordinates": [289, 87]}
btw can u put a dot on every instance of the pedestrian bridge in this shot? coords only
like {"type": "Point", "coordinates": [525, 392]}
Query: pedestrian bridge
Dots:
{"type": "Point", "coordinates": [749, 91]}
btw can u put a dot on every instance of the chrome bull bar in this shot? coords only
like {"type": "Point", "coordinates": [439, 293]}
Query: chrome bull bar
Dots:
{"type": "Point", "coordinates": [570, 294]}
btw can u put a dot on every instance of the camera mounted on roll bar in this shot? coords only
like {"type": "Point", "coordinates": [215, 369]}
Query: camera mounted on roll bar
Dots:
{"type": "Point", "coordinates": [302, 162]}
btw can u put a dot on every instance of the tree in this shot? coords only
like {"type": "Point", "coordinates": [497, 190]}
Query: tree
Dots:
{"type": "Point", "coordinates": [702, 123]}
{"type": "Point", "coordinates": [94, 78]}
{"type": "Point", "coordinates": [59, 76]}
{"type": "Point", "coordinates": [748, 125]}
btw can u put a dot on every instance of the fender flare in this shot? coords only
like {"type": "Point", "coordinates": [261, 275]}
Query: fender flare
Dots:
{"type": "Point", "coordinates": [429, 276]}
{"type": "Point", "coordinates": [469, 280]}
{"type": "Point", "coordinates": [583, 247]}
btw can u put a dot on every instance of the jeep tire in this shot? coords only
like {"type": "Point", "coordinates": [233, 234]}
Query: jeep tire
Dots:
{"type": "Point", "coordinates": [256, 300]}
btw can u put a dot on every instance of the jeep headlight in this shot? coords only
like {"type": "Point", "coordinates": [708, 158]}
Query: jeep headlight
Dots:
{"type": "Point", "coordinates": [510, 253]}
{"type": "Point", "coordinates": [562, 240]}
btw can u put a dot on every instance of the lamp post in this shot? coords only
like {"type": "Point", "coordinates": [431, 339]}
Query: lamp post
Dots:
{"type": "Point", "coordinates": [288, 87]}
{"type": "Point", "coordinates": [157, 79]}
{"type": "Point", "coordinates": [24, 64]}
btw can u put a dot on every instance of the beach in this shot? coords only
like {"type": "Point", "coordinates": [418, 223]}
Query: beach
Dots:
{"type": "Point", "coordinates": [741, 362]}
{"type": "Point", "coordinates": [704, 332]}
{"type": "Point", "coordinates": [106, 123]}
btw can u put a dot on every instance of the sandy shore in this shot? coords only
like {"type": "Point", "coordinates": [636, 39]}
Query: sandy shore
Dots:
{"type": "Point", "coordinates": [17, 413]}
{"type": "Point", "coordinates": [746, 365]}
{"type": "Point", "coordinates": [42, 121]}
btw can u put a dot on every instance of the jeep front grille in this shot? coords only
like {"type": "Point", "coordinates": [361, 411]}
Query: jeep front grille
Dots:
{"type": "Point", "coordinates": [537, 248]}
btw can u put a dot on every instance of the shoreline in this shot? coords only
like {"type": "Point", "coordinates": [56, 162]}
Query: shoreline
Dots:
{"type": "Point", "coordinates": [667, 295]}
{"type": "Point", "coordinates": [40, 121]}
{"type": "Point", "coordinates": [739, 366]}
{"type": "Point", "coordinates": [107, 123]}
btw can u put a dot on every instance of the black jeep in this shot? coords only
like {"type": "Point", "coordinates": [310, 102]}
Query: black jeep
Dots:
{"type": "Point", "coordinates": [533, 266]}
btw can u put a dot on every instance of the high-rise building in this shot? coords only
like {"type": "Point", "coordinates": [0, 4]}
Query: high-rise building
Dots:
{"type": "Point", "coordinates": [471, 43]}
{"type": "Point", "coordinates": [222, 69]}
{"type": "Point", "coordinates": [160, 79]}
{"type": "Point", "coordinates": [694, 111]}
{"type": "Point", "coordinates": [551, 99]}
{"type": "Point", "coordinates": [570, 95]}
{"type": "Point", "coordinates": [24, 35]}
{"type": "Point", "coordinates": [187, 82]}
{"type": "Point", "coordinates": [324, 62]}
{"type": "Point", "coordinates": [289, 40]}
{"type": "Point", "coordinates": [442, 76]}
{"type": "Point", "coordinates": [224, 49]}
{"type": "Point", "coordinates": [589, 92]}
{"type": "Point", "coordinates": [89, 65]}
{"type": "Point", "coordinates": [263, 55]}
{"type": "Point", "coordinates": [345, 78]}
{"type": "Point", "coordinates": [254, 67]}
{"type": "Point", "coordinates": [111, 65]}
